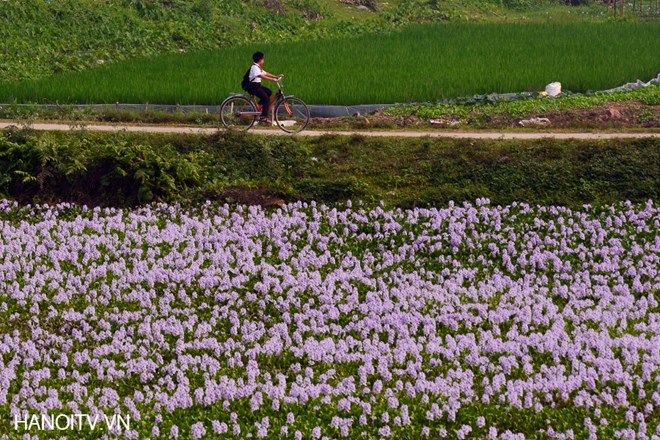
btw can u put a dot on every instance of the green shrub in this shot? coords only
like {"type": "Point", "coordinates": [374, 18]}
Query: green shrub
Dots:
{"type": "Point", "coordinates": [89, 168]}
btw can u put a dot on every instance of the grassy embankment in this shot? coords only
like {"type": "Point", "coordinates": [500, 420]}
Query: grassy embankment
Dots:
{"type": "Point", "coordinates": [127, 169]}
{"type": "Point", "coordinates": [640, 107]}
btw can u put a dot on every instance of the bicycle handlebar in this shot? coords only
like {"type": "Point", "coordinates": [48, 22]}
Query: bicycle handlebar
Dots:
{"type": "Point", "coordinates": [279, 86]}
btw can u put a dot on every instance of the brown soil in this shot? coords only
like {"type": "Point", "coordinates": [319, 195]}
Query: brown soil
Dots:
{"type": "Point", "coordinates": [631, 114]}
{"type": "Point", "coordinates": [264, 197]}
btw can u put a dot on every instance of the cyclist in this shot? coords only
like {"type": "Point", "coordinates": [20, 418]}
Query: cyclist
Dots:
{"type": "Point", "coordinates": [256, 74]}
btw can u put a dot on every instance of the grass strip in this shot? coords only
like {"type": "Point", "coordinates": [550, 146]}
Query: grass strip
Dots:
{"type": "Point", "coordinates": [423, 63]}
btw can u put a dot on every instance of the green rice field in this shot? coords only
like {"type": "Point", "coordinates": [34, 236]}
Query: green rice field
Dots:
{"type": "Point", "coordinates": [422, 63]}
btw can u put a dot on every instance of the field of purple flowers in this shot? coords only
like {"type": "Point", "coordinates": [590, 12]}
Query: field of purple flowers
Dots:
{"type": "Point", "coordinates": [474, 321]}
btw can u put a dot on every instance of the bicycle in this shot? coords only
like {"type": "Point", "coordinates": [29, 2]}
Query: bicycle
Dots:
{"type": "Point", "coordinates": [240, 112]}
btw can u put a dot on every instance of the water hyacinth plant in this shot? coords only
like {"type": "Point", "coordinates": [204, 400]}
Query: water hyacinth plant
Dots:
{"type": "Point", "coordinates": [472, 321]}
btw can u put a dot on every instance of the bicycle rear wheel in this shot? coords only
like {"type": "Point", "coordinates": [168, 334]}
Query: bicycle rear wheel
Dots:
{"type": "Point", "coordinates": [238, 113]}
{"type": "Point", "coordinates": [291, 114]}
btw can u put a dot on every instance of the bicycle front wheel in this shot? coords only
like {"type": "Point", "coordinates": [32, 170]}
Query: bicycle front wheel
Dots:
{"type": "Point", "coordinates": [238, 113]}
{"type": "Point", "coordinates": [291, 114]}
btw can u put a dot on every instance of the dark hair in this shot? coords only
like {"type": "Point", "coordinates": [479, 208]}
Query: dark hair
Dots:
{"type": "Point", "coordinates": [257, 56]}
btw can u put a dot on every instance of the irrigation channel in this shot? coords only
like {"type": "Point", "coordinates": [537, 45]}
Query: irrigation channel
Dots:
{"type": "Point", "coordinates": [389, 133]}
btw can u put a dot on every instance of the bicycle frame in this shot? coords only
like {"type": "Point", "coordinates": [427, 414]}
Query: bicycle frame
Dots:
{"type": "Point", "coordinates": [279, 97]}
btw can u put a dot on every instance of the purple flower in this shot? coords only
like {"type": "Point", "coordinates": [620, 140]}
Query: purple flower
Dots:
{"type": "Point", "coordinates": [524, 307]}
{"type": "Point", "coordinates": [384, 431]}
{"type": "Point", "coordinates": [198, 431]}
{"type": "Point", "coordinates": [219, 427]}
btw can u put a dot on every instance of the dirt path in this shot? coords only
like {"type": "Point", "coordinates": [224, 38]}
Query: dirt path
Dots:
{"type": "Point", "coordinates": [389, 133]}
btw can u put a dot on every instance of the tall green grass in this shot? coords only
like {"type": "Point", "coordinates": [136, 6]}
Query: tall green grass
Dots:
{"type": "Point", "coordinates": [421, 63]}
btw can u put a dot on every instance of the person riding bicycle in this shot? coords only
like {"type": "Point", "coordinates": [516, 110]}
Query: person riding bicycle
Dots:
{"type": "Point", "coordinates": [256, 74]}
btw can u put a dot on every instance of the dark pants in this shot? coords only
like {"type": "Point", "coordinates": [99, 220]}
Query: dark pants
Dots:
{"type": "Point", "coordinates": [263, 93]}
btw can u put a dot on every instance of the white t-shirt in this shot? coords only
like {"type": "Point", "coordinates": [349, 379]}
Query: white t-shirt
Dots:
{"type": "Point", "coordinates": [256, 72]}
